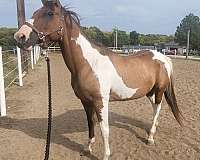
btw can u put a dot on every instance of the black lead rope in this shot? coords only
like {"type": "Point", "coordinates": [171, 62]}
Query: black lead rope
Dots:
{"type": "Point", "coordinates": [48, 140]}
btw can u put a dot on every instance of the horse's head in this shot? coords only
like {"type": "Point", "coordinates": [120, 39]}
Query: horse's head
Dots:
{"type": "Point", "coordinates": [44, 27]}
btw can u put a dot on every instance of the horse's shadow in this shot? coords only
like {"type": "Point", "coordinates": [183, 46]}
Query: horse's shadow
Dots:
{"type": "Point", "coordinates": [72, 121]}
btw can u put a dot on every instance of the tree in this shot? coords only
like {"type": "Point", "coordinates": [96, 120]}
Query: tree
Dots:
{"type": "Point", "coordinates": [134, 38]}
{"type": "Point", "coordinates": [152, 39]}
{"type": "Point", "coordinates": [97, 36]}
{"type": "Point", "coordinates": [108, 39]}
{"type": "Point", "coordinates": [7, 38]}
{"type": "Point", "coordinates": [192, 23]}
{"type": "Point", "coordinates": [122, 37]}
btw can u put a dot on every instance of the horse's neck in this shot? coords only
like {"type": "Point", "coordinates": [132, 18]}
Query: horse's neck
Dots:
{"type": "Point", "coordinates": [76, 51]}
{"type": "Point", "coordinates": [67, 56]}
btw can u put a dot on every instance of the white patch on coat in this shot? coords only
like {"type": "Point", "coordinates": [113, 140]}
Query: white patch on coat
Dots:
{"type": "Point", "coordinates": [88, 146]}
{"type": "Point", "coordinates": [25, 30]}
{"type": "Point", "coordinates": [155, 121]}
{"type": "Point", "coordinates": [166, 60]}
{"type": "Point", "coordinates": [104, 70]}
{"type": "Point", "coordinates": [104, 125]}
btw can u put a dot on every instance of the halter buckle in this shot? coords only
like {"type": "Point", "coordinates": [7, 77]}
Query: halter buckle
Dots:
{"type": "Point", "coordinates": [41, 36]}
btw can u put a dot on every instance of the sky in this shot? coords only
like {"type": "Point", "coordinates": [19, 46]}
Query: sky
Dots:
{"type": "Point", "coordinates": [143, 16]}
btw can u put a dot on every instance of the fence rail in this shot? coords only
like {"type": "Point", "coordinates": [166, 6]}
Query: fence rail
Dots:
{"type": "Point", "coordinates": [54, 48]}
{"type": "Point", "coordinates": [11, 70]}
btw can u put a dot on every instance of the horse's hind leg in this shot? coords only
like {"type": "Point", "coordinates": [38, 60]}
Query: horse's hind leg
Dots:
{"type": "Point", "coordinates": [157, 107]}
{"type": "Point", "coordinates": [90, 110]}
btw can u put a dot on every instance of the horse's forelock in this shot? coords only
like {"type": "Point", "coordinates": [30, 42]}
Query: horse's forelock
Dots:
{"type": "Point", "coordinates": [44, 2]}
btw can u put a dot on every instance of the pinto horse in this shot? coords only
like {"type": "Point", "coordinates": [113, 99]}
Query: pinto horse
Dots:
{"type": "Point", "coordinates": [98, 75]}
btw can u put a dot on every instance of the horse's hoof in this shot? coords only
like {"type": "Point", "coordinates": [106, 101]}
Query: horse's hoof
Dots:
{"type": "Point", "coordinates": [87, 150]}
{"type": "Point", "coordinates": [151, 142]}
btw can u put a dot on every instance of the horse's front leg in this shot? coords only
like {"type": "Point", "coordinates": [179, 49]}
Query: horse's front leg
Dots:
{"type": "Point", "coordinates": [104, 125]}
{"type": "Point", "coordinates": [90, 110]}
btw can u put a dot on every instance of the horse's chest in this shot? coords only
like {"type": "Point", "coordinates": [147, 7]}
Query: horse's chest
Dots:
{"type": "Point", "coordinates": [86, 86]}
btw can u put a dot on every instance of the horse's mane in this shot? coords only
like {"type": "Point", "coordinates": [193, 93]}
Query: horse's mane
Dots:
{"type": "Point", "coordinates": [98, 45]}
{"type": "Point", "coordinates": [74, 17]}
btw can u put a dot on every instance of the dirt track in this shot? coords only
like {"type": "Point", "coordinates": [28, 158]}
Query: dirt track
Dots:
{"type": "Point", "coordinates": [23, 131]}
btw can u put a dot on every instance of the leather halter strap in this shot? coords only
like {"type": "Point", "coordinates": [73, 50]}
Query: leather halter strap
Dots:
{"type": "Point", "coordinates": [42, 36]}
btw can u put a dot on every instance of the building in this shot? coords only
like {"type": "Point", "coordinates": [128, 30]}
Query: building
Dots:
{"type": "Point", "coordinates": [134, 48]}
{"type": "Point", "coordinates": [171, 48]}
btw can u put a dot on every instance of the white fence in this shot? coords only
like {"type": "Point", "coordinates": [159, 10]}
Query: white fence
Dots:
{"type": "Point", "coordinates": [12, 72]}
{"type": "Point", "coordinates": [2, 92]}
{"type": "Point", "coordinates": [53, 49]}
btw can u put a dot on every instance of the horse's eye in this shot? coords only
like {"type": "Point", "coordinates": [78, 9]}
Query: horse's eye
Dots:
{"type": "Point", "coordinates": [50, 13]}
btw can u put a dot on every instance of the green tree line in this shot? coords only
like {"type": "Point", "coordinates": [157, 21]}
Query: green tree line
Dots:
{"type": "Point", "coordinates": [96, 35]}
{"type": "Point", "coordinates": [190, 22]}
{"type": "Point", "coordinates": [124, 38]}
{"type": "Point", "coordinates": [6, 38]}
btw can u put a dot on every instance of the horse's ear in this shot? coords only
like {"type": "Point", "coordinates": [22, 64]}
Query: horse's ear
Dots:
{"type": "Point", "coordinates": [42, 2]}
{"type": "Point", "coordinates": [54, 1]}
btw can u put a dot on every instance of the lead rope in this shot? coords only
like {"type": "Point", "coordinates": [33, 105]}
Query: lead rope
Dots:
{"type": "Point", "coordinates": [48, 140]}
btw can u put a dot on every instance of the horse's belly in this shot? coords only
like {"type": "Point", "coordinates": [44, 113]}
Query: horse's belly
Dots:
{"type": "Point", "coordinates": [123, 92]}
{"type": "Point", "coordinates": [120, 91]}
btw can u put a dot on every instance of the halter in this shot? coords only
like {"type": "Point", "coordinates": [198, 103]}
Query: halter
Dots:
{"type": "Point", "coordinates": [42, 36]}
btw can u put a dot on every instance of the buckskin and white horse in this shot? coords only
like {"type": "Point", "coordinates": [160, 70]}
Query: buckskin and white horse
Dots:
{"type": "Point", "coordinates": [97, 74]}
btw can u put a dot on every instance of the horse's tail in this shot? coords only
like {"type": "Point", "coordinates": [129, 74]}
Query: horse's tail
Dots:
{"type": "Point", "coordinates": [172, 102]}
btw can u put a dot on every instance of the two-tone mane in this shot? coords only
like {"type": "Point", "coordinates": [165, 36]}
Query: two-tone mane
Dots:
{"type": "Point", "coordinates": [75, 18]}
{"type": "Point", "coordinates": [99, 76]}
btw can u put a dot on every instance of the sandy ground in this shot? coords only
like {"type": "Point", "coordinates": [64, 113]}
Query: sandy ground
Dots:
{"type": "Point", "coordinates": [23, 131]}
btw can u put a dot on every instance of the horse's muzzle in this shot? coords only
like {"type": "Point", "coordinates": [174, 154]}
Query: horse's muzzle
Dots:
{"type": "Point", "coordinates": [24, 42]}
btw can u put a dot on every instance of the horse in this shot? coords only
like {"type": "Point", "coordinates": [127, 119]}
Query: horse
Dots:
{"type": "Point", "coordinates": [99, 75]}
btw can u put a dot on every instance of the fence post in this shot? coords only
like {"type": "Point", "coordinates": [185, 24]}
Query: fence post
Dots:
{"type": "Point", "coordinates": [175, 53]}
{"type": "Point", "coordinates": [19, 67]}
{"type": "Point", "coordinates": [38, 53]}
{"type": "Point", "coordinates": [2, 89]}
{"type": "Point", "coordinates": [32, 62]}
{"type": "Point", "coordinates": [45, 52]}
{"type": "Point", "coordinates": [34, 55]}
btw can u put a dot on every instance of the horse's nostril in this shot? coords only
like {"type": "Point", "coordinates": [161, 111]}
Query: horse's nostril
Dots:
{"type": "Point", "coordinates": [21, 38]}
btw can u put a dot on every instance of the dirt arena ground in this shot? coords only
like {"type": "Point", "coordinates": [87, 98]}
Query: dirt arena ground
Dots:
{"type": "Point", "coordinates": [23, 131]}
